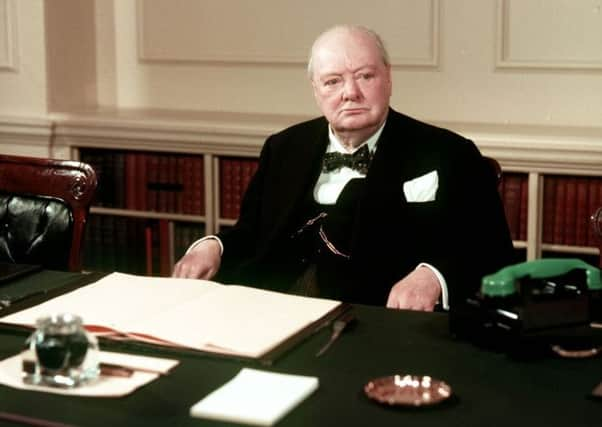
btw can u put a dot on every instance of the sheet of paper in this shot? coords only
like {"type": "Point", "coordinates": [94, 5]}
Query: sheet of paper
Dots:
{"type": "Point", "coordinates": [105, 386]}
{"type": "Point", "coordinates": [255, 397]}
{"type": "Point", "coordinates": [198, 314]}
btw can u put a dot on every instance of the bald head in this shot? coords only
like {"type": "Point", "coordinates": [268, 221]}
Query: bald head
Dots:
{"type": "Point", "coordinates": [343, 31]}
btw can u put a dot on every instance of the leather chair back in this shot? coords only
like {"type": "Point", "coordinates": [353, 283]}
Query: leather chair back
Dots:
{"type": "Point", "coordinates": [495, 167]}
{"type": "Point", "coordinates": [44, 206]}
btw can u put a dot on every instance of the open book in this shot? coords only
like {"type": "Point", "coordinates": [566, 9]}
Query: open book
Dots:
{"type": "Point", "coordinates": [196, 314]}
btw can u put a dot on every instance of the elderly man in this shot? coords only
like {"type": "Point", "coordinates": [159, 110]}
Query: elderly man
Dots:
{"type": "Point", "coordinates": [363, 204]}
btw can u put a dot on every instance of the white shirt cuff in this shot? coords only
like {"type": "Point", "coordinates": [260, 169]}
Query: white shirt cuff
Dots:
{"type": "Point", "coordinates": [202, 239]}
{"type": "Point", "coordinates": [442, 283]}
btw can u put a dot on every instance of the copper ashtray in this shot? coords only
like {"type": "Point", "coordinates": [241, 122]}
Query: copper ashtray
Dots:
{"type": "Point", "coordinates": [408, 390]}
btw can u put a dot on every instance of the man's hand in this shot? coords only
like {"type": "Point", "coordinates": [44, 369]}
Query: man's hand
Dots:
{"type": "Point", "coordinates": [202, 262]}
{"type": "Point", "coordinates": [419, 290]}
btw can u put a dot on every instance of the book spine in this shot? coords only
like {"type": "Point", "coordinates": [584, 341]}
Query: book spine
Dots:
{"type": "Point", "coordinates": [162, 184]}
{"type": "Point", "coordinates": [108, 193]}
{"type": "Point", "coordinates": [119, 180]}
{"type": "Point", "coordinates": [130, 181]}
{"type": "Point", "coordinates": [249, 168]}
{"type": "Point", "coordinates": [549, 209]}
{"type": "Point", "coordinates": [523, 210]}
{"type": "Point", "coordinates": [141, 181]}
{"type": "Point", "coordinates": [560, 210]}
{"type": "Point", "coordinates": [236, 187]}
{"type": "Point", "coordinates": [225, 188]}
{"type": "Point", "coordinates": [179, 179]}
{"type": "Point", "coordinates": [152, 176]}
{"type": "Point", "coordinates": [187, 184]}
{"type": "Point", "coordinates": [570, 211]}
{"type": "Point", "coordinates": [198, 186]}
{"type": "Point", "coordinates": [582, 212]}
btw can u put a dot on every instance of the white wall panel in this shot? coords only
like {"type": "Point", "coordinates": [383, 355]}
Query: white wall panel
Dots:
{"type": "Point", "coordinates": [23, 74]}
{"type": "Point", "coordinates": [550, 34]}
{"type": "Point", "coordinates": [276, 31]}
{"type": "Point", "coordinates": [8, 35]}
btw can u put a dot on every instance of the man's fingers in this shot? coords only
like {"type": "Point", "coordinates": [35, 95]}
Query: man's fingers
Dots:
{"type": "Point", "coordinates": [404, 300]}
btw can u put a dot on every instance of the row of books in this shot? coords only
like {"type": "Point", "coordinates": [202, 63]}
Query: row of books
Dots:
{"type": "Point", "coordinates": [568, 203]}
{"type": "Point", "coordinates": [235, 174]}
{"type": "Point", "coordinates": [136, 245]}
{"type": "Point", "coordinates": [174, 183]}
{"type": "Point", "coordinates": [514, 193]}
{"type": "Point", "coordinates": [161, 182]}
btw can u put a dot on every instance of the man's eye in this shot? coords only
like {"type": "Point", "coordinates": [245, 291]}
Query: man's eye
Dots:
{"type": "Point", "coordinates": [366, 76]}
{"type": "Point", "coordinates": [331, 82]}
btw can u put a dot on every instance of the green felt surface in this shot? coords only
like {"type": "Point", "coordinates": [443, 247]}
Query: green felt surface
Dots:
{"type": "Point", "coordinates": [490, 389]}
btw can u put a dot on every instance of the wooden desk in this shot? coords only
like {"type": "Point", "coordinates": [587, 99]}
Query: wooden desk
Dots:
{"type": "Point", "coordinates": [490, 389]}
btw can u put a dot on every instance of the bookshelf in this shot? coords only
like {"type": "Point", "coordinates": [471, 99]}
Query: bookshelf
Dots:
{"type": "Point", "coordinates": [231, 179]}
{"type": "Point", "coordinates": [148, 208]}
{"type": "Point", "coordinates": [568, 202]}
{"type": "Point", "coordinates": [535, 159]}
{"type": "Point", "coordinates": [163, 225]}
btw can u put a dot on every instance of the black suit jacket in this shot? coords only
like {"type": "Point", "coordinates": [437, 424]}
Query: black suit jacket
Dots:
{"type": "Point", "coordinates": [463, 232]}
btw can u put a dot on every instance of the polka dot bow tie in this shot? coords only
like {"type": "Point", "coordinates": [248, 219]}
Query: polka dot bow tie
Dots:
{"type": "Point", "coordinates": [359, 161]}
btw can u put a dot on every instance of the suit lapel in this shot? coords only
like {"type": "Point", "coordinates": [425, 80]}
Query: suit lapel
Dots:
{"type": "Point", "coordinates": [303, 170]}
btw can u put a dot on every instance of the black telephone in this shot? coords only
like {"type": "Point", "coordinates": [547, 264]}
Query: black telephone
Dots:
{"type": "Point", "coordinates": [534, 308]}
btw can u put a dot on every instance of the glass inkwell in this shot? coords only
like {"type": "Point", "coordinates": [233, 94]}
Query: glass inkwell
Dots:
{"type": "Point", "coordinates": [60, 353]}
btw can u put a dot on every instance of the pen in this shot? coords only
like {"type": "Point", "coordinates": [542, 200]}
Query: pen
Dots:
{"type": "Point", "coordinates": [337, 327]}
{"type": "Point", "coordinates": [31, 421]}
{"type": "Point", "coordinates": [114, 369]}
{"type": "Point", "coordinates": [108, 369]}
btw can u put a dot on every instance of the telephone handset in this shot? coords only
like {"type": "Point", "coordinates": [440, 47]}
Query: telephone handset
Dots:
{"type": "Point", "coordinates": [506, 281]}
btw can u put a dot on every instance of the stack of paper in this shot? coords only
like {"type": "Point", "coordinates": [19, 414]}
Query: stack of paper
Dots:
{"type": "Point", "coordinates": [196, 314]}
{"type": "Point", "coordinates": [255, 397]}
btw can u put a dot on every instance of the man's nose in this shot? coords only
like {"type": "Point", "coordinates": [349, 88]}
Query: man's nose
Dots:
{"type": "Point", "coordinates": [351, 90]}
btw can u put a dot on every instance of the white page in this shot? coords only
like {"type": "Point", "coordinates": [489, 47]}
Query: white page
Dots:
{"type": "Point", "coordinates": [198, 314]}
{"type": "Point", "coordinates": [247, 321]}
{"type": "Point", "coordinates": [118, 300]}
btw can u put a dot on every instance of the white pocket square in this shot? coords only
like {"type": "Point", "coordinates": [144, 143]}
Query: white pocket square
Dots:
{"type": "Point", "coordinates": [421, 189]}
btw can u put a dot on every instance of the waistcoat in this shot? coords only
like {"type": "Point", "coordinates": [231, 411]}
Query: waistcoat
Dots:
{"type": "Point", "coordinates": [323, 243]}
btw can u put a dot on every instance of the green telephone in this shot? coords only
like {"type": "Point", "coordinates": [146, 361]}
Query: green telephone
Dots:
{"type": "Point", "coordinates": [505, 281]}
{"type": "Point", "coordinates": [529, 307]}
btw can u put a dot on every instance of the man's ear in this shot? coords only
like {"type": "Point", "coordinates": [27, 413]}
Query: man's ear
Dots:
{"type": "Point", "coordinates": [390, 79]}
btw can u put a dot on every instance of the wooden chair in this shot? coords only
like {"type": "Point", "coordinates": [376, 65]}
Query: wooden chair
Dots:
{"type": "Point", "coordinates": [596, 223]}
{"type": "Point", "coordinates": [44, 206]}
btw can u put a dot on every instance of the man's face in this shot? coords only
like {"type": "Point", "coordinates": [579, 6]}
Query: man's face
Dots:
{"type": "Point", "coordinates": [351, 84]}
